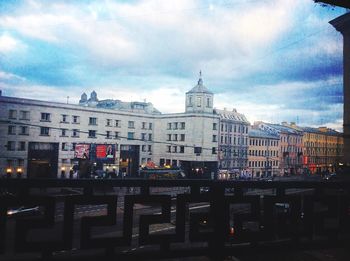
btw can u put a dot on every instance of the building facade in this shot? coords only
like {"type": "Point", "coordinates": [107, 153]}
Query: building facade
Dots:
{"type": "Point", "coordinates": [45, 139]}
{"type": "Point", "coordinates": [263, 154]}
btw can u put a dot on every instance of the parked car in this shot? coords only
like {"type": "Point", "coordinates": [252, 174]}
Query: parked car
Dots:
{"type": "Point", "coordinates": [331, 176]}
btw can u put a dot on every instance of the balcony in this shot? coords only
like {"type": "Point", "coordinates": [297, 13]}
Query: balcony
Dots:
{"type": "Point", "coordinates": [154, 219]}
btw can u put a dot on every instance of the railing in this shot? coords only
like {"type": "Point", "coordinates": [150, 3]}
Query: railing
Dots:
{"type": "Point", "coordinates": [229, 218]}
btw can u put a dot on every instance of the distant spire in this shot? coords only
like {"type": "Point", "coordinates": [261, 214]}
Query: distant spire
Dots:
{"type": "Point", "coordinates": [200, 81]}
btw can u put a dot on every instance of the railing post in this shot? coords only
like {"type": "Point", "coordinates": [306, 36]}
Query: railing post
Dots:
{"type": "Point", "coordinates": [217, 212]}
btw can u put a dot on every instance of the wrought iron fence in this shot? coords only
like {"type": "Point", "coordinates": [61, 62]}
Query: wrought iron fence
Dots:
{"type": "Point", "coordinates": [191, 217]}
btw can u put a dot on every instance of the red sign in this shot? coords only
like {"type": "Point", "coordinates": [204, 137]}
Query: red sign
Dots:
{"type": "Point", "coordinates": [306, 159]}
{"type": "Point", "coordinates": [104, 151]}
{"type": "Point", "coordinates": [82, 151]}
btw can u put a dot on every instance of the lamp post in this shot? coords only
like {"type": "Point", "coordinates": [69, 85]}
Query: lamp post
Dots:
{"type": "Point", "coordinates": [63, 172]}
{"type": "Point", "coordinates": [8, 172]}
{"type": "Point", "coordinates": [19, 172]}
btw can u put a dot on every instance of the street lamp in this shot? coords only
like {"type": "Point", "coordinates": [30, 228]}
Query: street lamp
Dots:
{"type": "Point", "coordinates": [63, 172]}
{"type": "Point", "coordinates": [8, 172]}
{"type": "Point", "coordinates": [19, 173]}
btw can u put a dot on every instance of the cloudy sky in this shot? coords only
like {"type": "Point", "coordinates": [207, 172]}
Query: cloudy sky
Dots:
{"type": "Point", "coordinates": [273, 60]}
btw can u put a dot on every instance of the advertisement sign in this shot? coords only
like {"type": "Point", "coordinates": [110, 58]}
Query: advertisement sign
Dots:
{"type": "Point", "coordinates": [82, 151]}
{"type": "Point", "coordinates": [105, 151]}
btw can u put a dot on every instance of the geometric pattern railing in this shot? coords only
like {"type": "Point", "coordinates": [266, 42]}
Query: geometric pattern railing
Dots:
{"type": "Point", "coordinates": [227, 219]}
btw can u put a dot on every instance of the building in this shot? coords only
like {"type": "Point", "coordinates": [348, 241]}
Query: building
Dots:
{"type": "Point", "coordinates": [263, 156]}
{"type": "Point", "coordinates": [48, 139]}
{"type": "Point", "coordinates": [233, 140]}
{"type": "Point", "coordinates": [291, 146]}
{"type": "Point", "coordinates": [323, 149]}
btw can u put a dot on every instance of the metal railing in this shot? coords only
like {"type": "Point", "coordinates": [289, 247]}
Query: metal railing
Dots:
{"type": "Point", "coordinates": [224, 219]}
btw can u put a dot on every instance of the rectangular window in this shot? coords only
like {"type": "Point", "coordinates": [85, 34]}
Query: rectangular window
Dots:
{"type": "Point", "coordinates": [24, 115]}
{"type": "Point", "coordinates": [168, 148]}
{"type": "Point", "coordinates": [108, 135]}
{"type": "Point", "coordinates": [143, 148]}
{"type": "Point", "coordinates": [117, 123]}
{"type": "Point", "coordinates": [24, 130]}
{"type": "Point", "coordinates": [175, 125]}
{"type": "Point", "coordinates": [175, 137]}
{"type": "Point", "coordinates": [22, 146]}
{"type": "Point", "coordinates": [108, 122]}
{"type": "Point", "coordinates": [183, 125]}
{"type": "Point", "coordinates": [131, 135]}
{"type": "Point", "coordinates": [143, 125]}
{"type": "Point", "coordinates": [116, 134]}
{"type": "Point", "coordinates": [12, 114]}
{"type": "Point", "coordinates": [182, 137]}
{"type": "Point", "coordinates": [169, 137]}
{"type": "Point", "coordinates": [20, 162]}
{"type": "Point", "coordinates": [175, 149]}
{"type": "Point", "coordinates": [75, 133]}
{"type": "Point", "coordinates": [92, 121]}
{"type": "Point", "coordinates": [11, 130]}
{"type": "Point", "coordinates": [149, 136]}
{"type": "Point", "coordinates": [197, 150]}
{"type": "Point", "coordinates": [149, 148]}
{"type": "Point", "coordinates": [92, 134]}
{"type": "Point", "coordinates": [208, 102]}
{"type": "Point", "coordinates": [215, 138]}
{"type": "Point", "coordinates": [45, 116]}
{"type": "Point", "coordinates": [213, 150]}
{"type": "Point", "coordinates": [169, 125]}
{"type": "Point", "coordinates": [75, 119]}
{"type": "Point", "coordinates": [199, 101]}
{"type": "Point", "coordinates": [64, 146]}
{"type": "Point", "coordinates": [11, 145]}
{"type": "Point", "coordinates": [150, 126]}
{"type": "Point", "coordinates": [44, 131]}
{"type": "Point", "coordinates": [215, 126]}
{"type": "Point", "coordinates": [143, 136]}
{"type": "Point", "coordinates": [64, 118]}
{"type": "Point", "coordinates": [131, 124]}
{"type": "Point", "coordinates": [182, 149]}
{"type": "Point", "coordinates": [64, 132]}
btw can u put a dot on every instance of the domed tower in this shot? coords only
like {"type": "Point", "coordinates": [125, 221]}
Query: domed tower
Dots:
{"type": "Point", "coordinates": [83, 98]}
{"type": "Point", "coordinates": [199, 99]}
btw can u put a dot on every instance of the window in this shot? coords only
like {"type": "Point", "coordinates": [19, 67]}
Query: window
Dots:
{"type": "Point", "coordinates": [92, 134]}
{"type": "Point", "coordinates": [175, 149]}
{"type": "Point", "coordinates": [131, 124]}
{"type": "Point", "coordinates": [20, 162]}
{"type": "Point", "coordinates": [64, 146]}
{"type": "Point", "coordinates": [22, 146]}
{"type": "Point", "coordinates": [10, 145]}
{"type": "Point", "coordinates": [108, 122]}
{"type": "Point", "coordinates": [169, 125]}
{"type": "Point", "coordinates": [175, 137]}
{"type": "Point", "coordinates": [12, 114]}
{"type": "Point", "coordinates": [11, 130]}
{"type": "Point", "coordinates": [75, 133]}
{"type": "Point", "coordinates": [197, 150]}
{"type": "Point", "coordinates": [183, 125]}
{"type": "Point", "coordinates": [143, 136]}
{"type": "Point", "coordinates": [175, 125]}
{"type": "Point", "coordinates": [92, 121]}
{"type": "Point", "coordinates": [117, 123]}
{"type": "Point", "coordinates": [44, 131]}
{"type": "Point", "coordinates": [64, 132]}
{"type": "Point", "coordinates": [182, 149]}
{"type": "Point", "coordinates": [143, 125]}
{"type": "Point", "coordinates": [143, 148]}
{"type": "Point", "coordinates": [131, 135]}
{"type": "Point", "coordinates": [215, 126]}
{"type": "Point", "coordinates": [64, 118]}
{"type": "Point", "coordinates": [215, 138]}
{"type": "Point", "coordinates": [24, 115]}
{"type": "Point", "coordinates": [169, 137]}
{"type": "Point", "coordinates": [182, 137]}
{"type": "Point", "coordinates": [116, 134]}
{"type": "Point", "coordinates": [75, 119]}
{"type": "Point", "coordinates": [45, 116]}
{"type": "Point", "coordinates": [108, 135]}
{"type": "Point", "coordinates": [24, 130]}
{"type": "Point", "coordinates": [199, 101]}
{"type": "Point", "coordinates": [150, 126]}
{"type": "Point", "coordinates": [149, 148]}
{"type": "Point", "coordinates": [190, 100]}
{"type": "Point", "coordinates": [168, 148]}
{"type": "Point", "coordinates": [150, 137]}
{"type": "Point", "coordinates": [208, 102]}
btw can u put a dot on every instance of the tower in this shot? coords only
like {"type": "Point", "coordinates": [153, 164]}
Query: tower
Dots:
{"type": "Point", "coordinates": [199, 99]}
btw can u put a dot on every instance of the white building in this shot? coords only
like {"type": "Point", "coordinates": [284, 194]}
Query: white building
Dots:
{"type": "Point", "coordinates": [40, 137]}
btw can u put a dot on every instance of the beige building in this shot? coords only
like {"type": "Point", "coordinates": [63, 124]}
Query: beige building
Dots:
{"type": "Point", "coordinates": [263, 155]}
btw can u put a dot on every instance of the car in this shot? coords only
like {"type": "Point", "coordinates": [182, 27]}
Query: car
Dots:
{"type": "Point", "coordinates": [331, 176]}
{"type": "Point", "coordinates": [23, 211]}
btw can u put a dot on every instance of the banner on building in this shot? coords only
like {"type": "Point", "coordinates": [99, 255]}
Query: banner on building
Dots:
{"type": "Point", "coordinates": [82, 151]}
{"type": "Point", "coordinates": [105, 151]}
